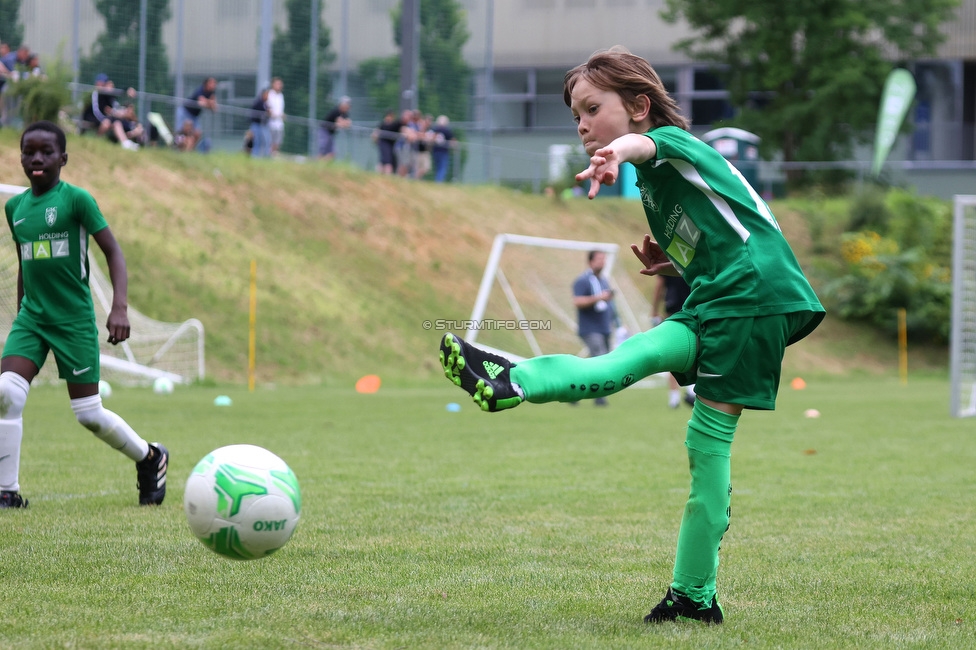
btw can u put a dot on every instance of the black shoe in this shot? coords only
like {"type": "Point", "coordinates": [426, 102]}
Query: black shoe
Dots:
{"type": "Point", "coordinates": [601, 401]}
{"type": "Point", "coordinates": [9, 499]}
{"type": "Point", "coordinates": [690, 399]}
{"type": "Point", "coordinates": [483, 375]}
{"type": "Point", "coordinates": [675, 606]}
{"type": "Point", "coordinates": [151, 475]}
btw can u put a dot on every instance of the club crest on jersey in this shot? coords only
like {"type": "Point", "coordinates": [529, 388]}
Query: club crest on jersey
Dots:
{"type": "Point", "coordinates": [51, 216]}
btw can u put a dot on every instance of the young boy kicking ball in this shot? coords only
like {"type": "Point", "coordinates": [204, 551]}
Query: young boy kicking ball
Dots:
{"type": "Point", "coordinates": [50, 224]}
{"type": "Point", "coordinates": [749, 300]}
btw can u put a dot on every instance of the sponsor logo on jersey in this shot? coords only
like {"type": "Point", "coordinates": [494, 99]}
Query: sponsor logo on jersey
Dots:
{"type": "Point", "coordinates": [685, 235]}
{"type": "Point", "coordinates": [47, 248]}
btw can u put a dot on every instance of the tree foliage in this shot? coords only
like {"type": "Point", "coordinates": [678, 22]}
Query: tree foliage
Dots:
{"type": "Point", "coordinates": [807, 75]}
{"type": "Point", "coordinates": [444, 77]}
{"type": "Point", "coordinates": [290, 55]}
{"type": "Point", "coordinates": [116, 50]}
{"type": "Point", "coordinates": [11, 29]}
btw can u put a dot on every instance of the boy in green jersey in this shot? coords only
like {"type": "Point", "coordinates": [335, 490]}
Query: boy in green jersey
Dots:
{"type": "Point", "coordinates": [748, 301]}
{"type": "Point", "coordinates": [50, 224]}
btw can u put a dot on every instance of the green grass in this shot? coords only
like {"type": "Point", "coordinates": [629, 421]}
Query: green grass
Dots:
{"type": "Point", "coordinates": [546, 527]}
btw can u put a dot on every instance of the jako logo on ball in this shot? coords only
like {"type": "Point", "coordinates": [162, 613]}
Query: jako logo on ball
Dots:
{"type": "Point", "coordinates": [242, 501]}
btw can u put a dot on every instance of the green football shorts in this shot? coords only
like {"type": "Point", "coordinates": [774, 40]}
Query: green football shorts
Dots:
{"type": "Point", "coordinates": [740, 359]}
{"type": "Point", "coordinates": [75, 347]}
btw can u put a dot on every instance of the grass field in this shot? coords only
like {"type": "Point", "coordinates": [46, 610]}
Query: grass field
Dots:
{"type": "Point", "coordinates": [546, 527]}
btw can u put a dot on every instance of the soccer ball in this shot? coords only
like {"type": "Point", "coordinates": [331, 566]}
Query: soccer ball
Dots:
{"type": "Point", "coordinates": [104, 389]}
{"type": "Point", "coordinates": [163, 386]}
{"type": "Point", "coordinates": [242, 502]}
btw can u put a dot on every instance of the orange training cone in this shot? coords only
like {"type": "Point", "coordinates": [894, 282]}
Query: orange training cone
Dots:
{"type": "Point", "coordinates": [368, 384]}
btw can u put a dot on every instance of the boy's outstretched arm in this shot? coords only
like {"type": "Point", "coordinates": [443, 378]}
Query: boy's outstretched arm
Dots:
{"type": "Point", "coordinates": [118, 317]}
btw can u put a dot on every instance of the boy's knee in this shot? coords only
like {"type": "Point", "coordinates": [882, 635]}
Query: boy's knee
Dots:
{"type": "Point", "coordinates": [13, 395]}
{"type": "Point", "coordinates": [90, 413]}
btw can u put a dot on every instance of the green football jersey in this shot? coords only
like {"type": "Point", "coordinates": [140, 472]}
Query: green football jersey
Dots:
{"type": "Point", "coordinates": [719, 233]}
{"type": "Point", "coordinates": [52, 233]}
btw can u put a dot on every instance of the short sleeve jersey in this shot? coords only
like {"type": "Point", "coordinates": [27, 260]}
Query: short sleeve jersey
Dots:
{"type": "Point", "coordinates": [719, 233]}
{"type": "Point", "coordinates": [52, 232]}
{"type": "Point", "coordinates": [592, 321]}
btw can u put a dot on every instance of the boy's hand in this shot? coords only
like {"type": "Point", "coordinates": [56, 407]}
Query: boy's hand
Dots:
{"type": "Point", "coordinates": [653, 258]}
{"type": "Point", "coordinates": [118, 326]}
{"type": "Point", "coordinates": [603, 170]}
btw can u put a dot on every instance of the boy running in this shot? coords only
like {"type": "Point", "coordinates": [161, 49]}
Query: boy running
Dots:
{"type": "Point", "coordinates": [748, 301]}
{"type": "Point", "coordinates": [50, 224]}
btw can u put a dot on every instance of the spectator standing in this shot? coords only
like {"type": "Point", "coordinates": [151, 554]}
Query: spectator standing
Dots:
{"type": "Point", "coordinates": [204, 97]}
{"type": "Point", "coordinates": [260, 115]}
{"type": "Point", "coordinates": [444, 142]}
{"type": "Point", "coordinates": [337, 118]}
{"type": "Point", "coordinates": [422, 144]}
{"type": "Point", "coordinates": [406, 142]}
{"type": "Point", "coordinates": [276, 115]}
{"type": "Point", "coordinates": [8, 60]}
{"type": "Point", "coordinates": [385, 135]}
{"type": "Point", "coordinates": [592, 297]}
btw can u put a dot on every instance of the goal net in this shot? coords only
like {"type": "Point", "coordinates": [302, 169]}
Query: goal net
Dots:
{"type": "Point", "coordinates": [962, 343]}
{"type": "Point", "coordinates": [524, 307]}
{"type": "Point", "coordinates": [154, 349]}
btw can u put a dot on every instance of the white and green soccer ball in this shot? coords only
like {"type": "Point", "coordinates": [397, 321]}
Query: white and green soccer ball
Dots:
{"type": "Point", "coordinates": [163, 386]}
{"type": "Point", "coordinates": [242, 501]}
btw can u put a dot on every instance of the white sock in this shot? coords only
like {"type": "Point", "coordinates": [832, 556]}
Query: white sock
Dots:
{"type": "Point", "coordinates": [109, 427]}
{"type": "Point", "coordinates": [13, 396]}
{"type": "Point", "coordinates": [674, 398]}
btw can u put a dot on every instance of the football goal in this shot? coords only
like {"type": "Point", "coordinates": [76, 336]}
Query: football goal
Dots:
{"type": "Point", "coordinates": [532, 312]}
{"type": "Point", "coordinates": [962, 342]}
{"type": "Point", "coordinates": [154, 349]}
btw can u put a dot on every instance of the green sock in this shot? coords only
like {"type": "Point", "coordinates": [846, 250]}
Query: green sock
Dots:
{"type": "Point", "coordinates": [706, 516]}
{"type": "Point", "coordinates": [568, 378]}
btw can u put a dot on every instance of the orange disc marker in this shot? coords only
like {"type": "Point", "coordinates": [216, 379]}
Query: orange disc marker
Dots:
{"type": "Point", "coordinates": [368, 384]}
{"type": "Point", "coordinates": [798, 384]}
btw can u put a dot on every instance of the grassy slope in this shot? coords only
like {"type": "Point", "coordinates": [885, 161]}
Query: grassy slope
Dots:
{"type": "Point", "coordinates": [349, 263]}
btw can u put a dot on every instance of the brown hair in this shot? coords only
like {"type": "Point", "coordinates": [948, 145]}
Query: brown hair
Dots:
{"type": "Point", "coordinates": [630, 77]}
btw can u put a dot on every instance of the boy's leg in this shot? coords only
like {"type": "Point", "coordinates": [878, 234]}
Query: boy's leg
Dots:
{"type": "Point", "coordinates": [24, 354]}
{"type": "Point", "coordinates": [565, 377]}
{"type": "Point", "coordinates": [152, 459]}
{"type": "Point", "coordinates": [76, 352]}
{"type": "Point", "coordinates": [13, 397]}
{"type": "Point", "coordinates": [706, 519]}
{"type": "Point", "coordinates": [706, 516]}
{"type": "Point", "coordinates": [495, 383]}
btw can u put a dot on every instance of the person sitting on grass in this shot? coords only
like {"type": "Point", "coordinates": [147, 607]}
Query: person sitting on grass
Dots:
{"type": "Point", "coordinates": [50, 224]}
{"type": "Point", "coordinates": [749, 300]}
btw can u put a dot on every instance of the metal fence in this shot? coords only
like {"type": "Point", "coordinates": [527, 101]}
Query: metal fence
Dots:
{"type": "Point", "coordinates": [513, 60]}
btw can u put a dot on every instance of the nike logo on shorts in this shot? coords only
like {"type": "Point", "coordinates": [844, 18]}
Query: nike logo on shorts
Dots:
{"type": "Point", "coordinates": [17, 223]}
{"type": "Point", "coordinates": [707, 374]}
{"type": "Point", "coordinates": [81, 372]}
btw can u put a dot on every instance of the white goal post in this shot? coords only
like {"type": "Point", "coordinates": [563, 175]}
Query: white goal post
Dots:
{"type": "Point", "coordinates": [154, 349]}
{"type": "Point", "coordinates": [962, 342]}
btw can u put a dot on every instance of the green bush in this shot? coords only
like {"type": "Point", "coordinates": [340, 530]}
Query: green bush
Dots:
{"type": "Point", "coordinates": [902, 262]}
{"type": "Point", "coordinates": [43, 97]}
